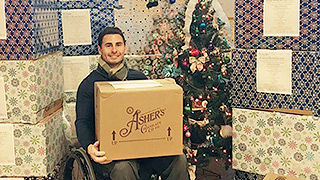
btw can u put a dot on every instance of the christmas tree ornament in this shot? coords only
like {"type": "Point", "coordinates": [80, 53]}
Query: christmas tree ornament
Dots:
{"type": "Point", "coordinates": [152, 3]}
{"type": "Point", "coordinates": [194, 52]}
{"type": "Point", "coordinates": [188, 134]}
{"type": "Point", "coordinates": [172, 1]}
{"type": "Point", "coordinates": [203, 25]}
{"type": "Point", "coordinates": [184, 63]}
{"type": "Point", "coordinates": [226, 131]}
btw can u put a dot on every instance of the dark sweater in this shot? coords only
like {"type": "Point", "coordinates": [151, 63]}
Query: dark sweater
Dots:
{"type": "Point", "coordinates": [85, 117]}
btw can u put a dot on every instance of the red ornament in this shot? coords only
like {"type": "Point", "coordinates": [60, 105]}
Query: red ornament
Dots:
{"type": "Point", "coordinates": [194, 52]}
{"type": "Point", "coordinates": [217, 160]}
{"type": "Point", "coordinates": [184, 63]}
{"type": "Point", "coordinates": [195, 160]}
{"type": "Point", "coordinates": [200, 96]}
{"type": "Point", "coordinates": [229, 160]}
{"type": "Point", "coordinates": [208, 97]}
{"type": "Point", "coordinates": [188, 134]}
{"type": "Point", "coordinates": [185, 128]}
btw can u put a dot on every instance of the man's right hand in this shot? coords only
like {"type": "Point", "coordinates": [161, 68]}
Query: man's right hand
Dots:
{"type": "Point", "coordinates": [96, 155]}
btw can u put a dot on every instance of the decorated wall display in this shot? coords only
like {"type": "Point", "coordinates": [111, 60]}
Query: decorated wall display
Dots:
{"type": "Point", "coordinates": [76, 46]}
{"type": "Point", "coordinates": [249, 28]}
{"type": "Point", "coordinates": [245, 94]}
{"type": "Point", "coordinates": [31, 86]}
{"type": "Point", "coordinates": [285, 144]}
{"type": "Point", "coordinates": [31, 30]}
{"type": "Point", "coordinates": [37, 148]}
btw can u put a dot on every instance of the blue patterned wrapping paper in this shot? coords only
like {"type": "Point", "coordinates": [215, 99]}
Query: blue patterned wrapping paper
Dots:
{"type": "Point", "coordinates": [31, 29]}
{"type": "Point", "coordinates": [99, 18]}
{"type": "Point", "coordinates": [244, 91]}
{"type": "Point", "coordinates": [85, 4]}
{"type": "Point", "coordinates": [249, 27]}
{"type": "Point", "coordinates": [316, 86]}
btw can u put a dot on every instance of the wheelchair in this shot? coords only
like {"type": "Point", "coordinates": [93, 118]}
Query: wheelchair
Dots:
{"type": "Point", "coordinates": [77, 166]}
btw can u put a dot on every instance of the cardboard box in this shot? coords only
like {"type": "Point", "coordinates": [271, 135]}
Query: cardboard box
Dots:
{"type": "Point", "coordinates": [32, 87]}
{"type": "Point", "coordinates": [137, 119]}
{"type": "Point", "coordinates": [37, 148]}
{"type": "Point", "coordinates": [31, 30]}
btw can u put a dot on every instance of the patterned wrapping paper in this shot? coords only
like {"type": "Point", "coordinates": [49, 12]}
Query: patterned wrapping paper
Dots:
{"type": "Point", "coordinates": [99, 18]}
{"type": "Point", "coordinates": [249, 27]}
{"type": "Point", "coordinates": [30, 86]}
{"type": "Point", "coordinates": [38, 148]}
{"type": "Point", "coordinates": [244, 91]}
{"type": "Point", "coordinates": [293, 151]}
{"type": "Point", "coordinates": [32, 29]}
{"type": "Point", "coordinates": [81, 4]}
{"type": "Point", "coordinates": [136, 21]}
{"type": "Point", "coordinates": [316, 86]}
{"type": "Point", "coordinates": [252, 141]}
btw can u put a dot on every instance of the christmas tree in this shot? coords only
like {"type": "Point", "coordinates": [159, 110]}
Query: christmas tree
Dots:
{"type": "Point", "coordinates": [194, 53]}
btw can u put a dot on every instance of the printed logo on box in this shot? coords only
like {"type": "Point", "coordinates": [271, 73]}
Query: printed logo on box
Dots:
{"type": "Point", "coordinates": [142, 122]}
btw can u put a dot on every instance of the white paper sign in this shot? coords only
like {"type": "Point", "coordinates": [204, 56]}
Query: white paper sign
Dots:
{"type": "Point", "coordinates": [7, 156]}
{"type": "Point", "coordinates": [274, 73]}
{"type": "Point", "coordinates": [135, 84]}
{"type": "Point", "coordinates": [3, 29]}
{"type": "Point", "coordinates": [281, 18]}
{"type": "Point", "coordinates": [75, 69]}
{"type": "Point", "coordinates": [3, 104]}
{"type": "Point", "coordinates": [76, 27]}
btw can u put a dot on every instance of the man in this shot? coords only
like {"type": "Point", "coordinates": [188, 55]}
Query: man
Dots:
{"type": "Point", "coordinates": [111, 66]}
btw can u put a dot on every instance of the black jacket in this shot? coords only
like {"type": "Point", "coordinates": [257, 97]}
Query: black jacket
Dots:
{"type": "Point", "coordinates": [85, 117]}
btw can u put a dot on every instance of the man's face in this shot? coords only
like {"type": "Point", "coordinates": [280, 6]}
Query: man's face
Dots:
{"type": "Point", "coordinates": [112, 49]}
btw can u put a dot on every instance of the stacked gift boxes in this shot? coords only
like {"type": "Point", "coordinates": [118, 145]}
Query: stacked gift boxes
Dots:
{"type": "Point", "coordinates": [279, 142]}
{"type": "Point", "coordinates": [100, 16]}
{"type": "Point", "coordinates": [37, 148]}
{"type": "Point", "coordinates": [33, 100]}
{"type": "Point", "coordinates": [249, 28]}
{"type": "Point", "coordinates": [32, 87]}
{"type": "Point", "coordinates": [31, 29]}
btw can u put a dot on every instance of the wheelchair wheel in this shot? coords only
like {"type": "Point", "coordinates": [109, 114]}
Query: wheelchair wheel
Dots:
{"type": "Point", "coordinates": [78, 166]}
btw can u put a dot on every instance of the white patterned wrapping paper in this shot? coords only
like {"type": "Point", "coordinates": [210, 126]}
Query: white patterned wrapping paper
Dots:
{"type": "Point", "coordinates": [30, 86]}
{"type": "Point", "coordinates": [291, 148]}
{"type": "Point", "coordinates": [38, 148]}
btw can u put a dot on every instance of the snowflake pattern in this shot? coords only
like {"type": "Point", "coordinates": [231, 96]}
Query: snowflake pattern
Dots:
{"type": "Point", "coordinates": [285, 142]}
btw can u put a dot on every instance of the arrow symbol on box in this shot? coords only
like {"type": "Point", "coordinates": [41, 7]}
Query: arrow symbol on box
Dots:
{"type": "Point", "coordinates": [113, 135]}
{"type": "Point", "coordinates": [169, 129]}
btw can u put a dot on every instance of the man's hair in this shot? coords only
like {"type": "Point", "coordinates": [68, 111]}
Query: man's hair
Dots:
{"type": "Point", "coordinates": [110, 30]}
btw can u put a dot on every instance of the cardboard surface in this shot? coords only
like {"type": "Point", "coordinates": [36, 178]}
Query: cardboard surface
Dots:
{"type": "Point", "coordinates": [139, 122]}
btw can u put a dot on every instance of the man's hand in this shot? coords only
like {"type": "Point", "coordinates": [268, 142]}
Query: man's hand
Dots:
{"type": "Point", "coordinates": [96, 155]}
